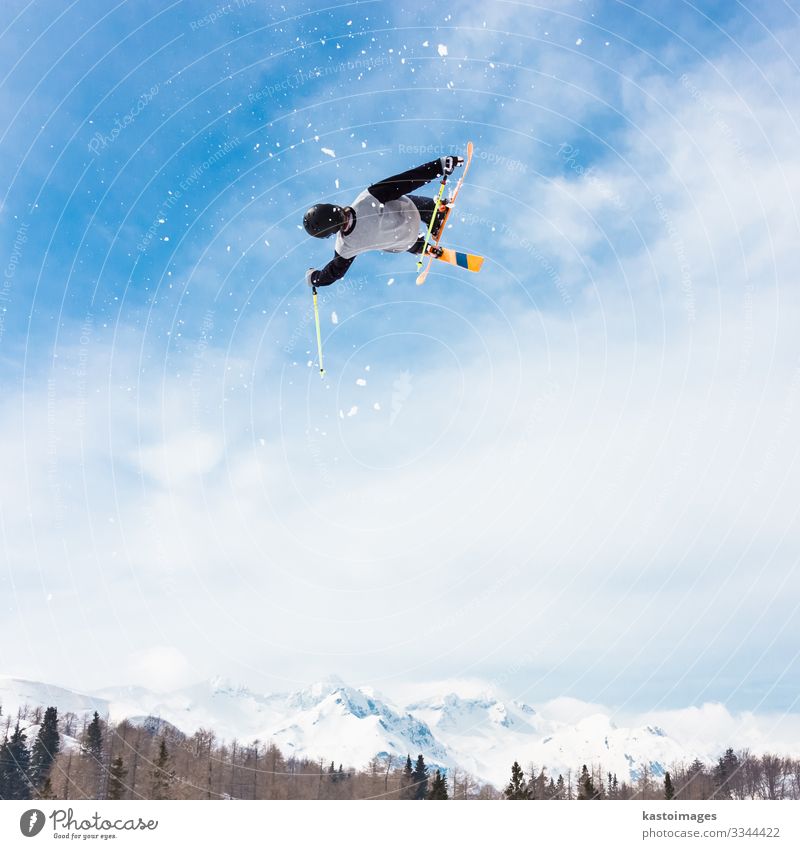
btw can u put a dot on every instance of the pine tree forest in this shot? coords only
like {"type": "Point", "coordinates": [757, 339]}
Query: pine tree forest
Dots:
{"type": "Point", "coordinates": [46, 755]}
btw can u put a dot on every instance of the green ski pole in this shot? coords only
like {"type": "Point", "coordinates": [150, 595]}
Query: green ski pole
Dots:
{"type": "Point", "coordinates": [430, 226]}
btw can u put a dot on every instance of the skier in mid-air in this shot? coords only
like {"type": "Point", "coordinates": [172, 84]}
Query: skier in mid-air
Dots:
{"type": "Point", "coordinates": [384, 217]}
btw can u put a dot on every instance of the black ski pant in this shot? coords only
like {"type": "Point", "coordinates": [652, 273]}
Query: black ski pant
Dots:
{"type": "Point", "coordinates": [425, 206]}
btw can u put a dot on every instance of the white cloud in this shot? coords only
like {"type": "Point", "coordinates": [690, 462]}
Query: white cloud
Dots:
{"type": "Point", "coordinates": [159, 668]}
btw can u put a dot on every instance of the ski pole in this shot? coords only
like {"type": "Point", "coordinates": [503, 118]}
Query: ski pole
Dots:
{"type": "Point", "coordinates": [433, 218]}
{"type": "Point", "coordinates": [319, 336]}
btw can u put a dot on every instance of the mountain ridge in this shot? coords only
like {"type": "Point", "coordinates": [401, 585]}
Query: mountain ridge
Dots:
{"type": "Point", "coordinates": [352, 725]}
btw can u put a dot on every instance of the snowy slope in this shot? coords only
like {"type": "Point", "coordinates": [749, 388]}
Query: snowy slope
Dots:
{"type": "Point", "coordinates": [348, 725]}
{"type": "Point", "coordinates": [16, 693]}
{"type": "Point", "coordinates": [227, 709]}
{"type": "Point", "coordinates": [331, 717]}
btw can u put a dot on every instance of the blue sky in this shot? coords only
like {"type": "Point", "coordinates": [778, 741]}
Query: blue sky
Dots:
{"type": "Point", "coordinates": [573, 474]}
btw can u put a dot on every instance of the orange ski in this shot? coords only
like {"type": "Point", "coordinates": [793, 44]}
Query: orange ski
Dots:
{"type": "Point", "coordinates": [472, 262]}
{"type": "Point", "coordinates": [424, 273]}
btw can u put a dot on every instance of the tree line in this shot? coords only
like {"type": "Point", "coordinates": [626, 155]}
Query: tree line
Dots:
{"type": "Point", "coordinates": [739, 775]}
{"type": "Point", "coordinates": [69, 757]}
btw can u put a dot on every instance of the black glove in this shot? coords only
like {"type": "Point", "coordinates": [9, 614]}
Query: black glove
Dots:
{"type": "Point", "coordinates": [449, 164]}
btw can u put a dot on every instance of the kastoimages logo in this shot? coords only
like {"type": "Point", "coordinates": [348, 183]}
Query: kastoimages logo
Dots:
{"type": "Point", "coordinates": [32, 822]}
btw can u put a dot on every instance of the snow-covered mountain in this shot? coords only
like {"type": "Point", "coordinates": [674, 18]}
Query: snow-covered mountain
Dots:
{"type": "Point", "coordinates": [485, 736]}
{"type": "Point", "coordinates": [335, 721]}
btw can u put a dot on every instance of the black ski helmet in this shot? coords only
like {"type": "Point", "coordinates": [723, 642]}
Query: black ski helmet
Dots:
{"type": "Point", "coordinates": [323, 220]}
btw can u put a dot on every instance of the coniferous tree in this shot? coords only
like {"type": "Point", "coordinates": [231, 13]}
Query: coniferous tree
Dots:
{"type": "Point", "coordinates": [561, 790]}
{"type": "Point", "coordinates": [407, 780]}
{"type": "Point", "coordinates": [586, 788]}
{"type": "Point", "coordinates": [724, 774]}
{"type": "Point", "coordinates": [420, 779]}
{"type": "Point", "coordinates": [669, 790]}
{"type": "Point", "coordinates": [92, 750]}
{"type": "Point", "coordinates": [162, 775]}
{"type": "Point", "coordinates": [14, 767]}
{"type": "Point", "coordinates": [5, 770]}
{"type": "Point", "coordinates": [116, 781]}
{"type": "Point", "coordinates": [45, 748]}
{"type": "Point", "coordinates": [438, 787]}
{"type": "Point", "coordinates": [698, 782]}
{"type": "Point", "coordinates": [93, 739]}
{"type": "Point", "coordinates": [517, 787]}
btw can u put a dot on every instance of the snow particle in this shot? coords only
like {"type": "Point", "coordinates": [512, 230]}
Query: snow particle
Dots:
{"type": "Point", "coordinates": [328, 152]}
{"type": "Point", "coordinates": [442, 49]}
{"type": "Point", "coordinates": [334, 318]}
{"type": "Point", "coordinates": [361, 382]}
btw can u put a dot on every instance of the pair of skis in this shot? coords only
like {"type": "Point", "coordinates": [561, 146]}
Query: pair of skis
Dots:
{"type": "Point", "coordinates": [431, 248]}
